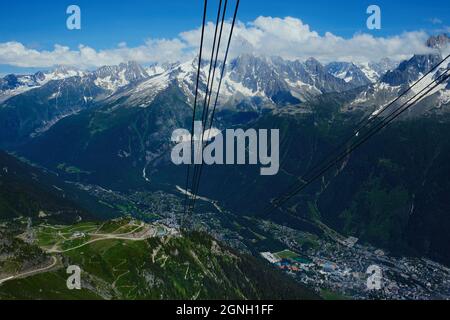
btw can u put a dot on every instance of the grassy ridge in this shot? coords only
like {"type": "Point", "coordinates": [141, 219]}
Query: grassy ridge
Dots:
{"type": "Point", "coordinates": [172, 266]}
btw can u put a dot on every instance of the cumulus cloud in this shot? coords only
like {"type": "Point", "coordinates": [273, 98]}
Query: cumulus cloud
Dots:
{"type": "Point", "coordinates": [153, 50]}
{"type": "Point", "coordinates": [287, 37]}
{"type": "Point", "coordinates": [291, 39]}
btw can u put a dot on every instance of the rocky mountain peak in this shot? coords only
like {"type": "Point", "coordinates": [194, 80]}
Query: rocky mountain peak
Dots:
{"type": "Point", "coordinates": [313, 65]}
{"type": "Point", "coordinates": [411, 69]}
{"type": "Point", "coordinates": [438, 42]}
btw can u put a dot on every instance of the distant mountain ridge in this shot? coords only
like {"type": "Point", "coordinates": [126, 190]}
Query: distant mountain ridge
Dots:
{"type": "Point", "coordinates": [394, 82]}
{"type": "Point", "coordinates": [30, 105]}
{"type": "Point", "coordinates": [246, 75]}
{"type": "Point", "coordinates": [361, 74]}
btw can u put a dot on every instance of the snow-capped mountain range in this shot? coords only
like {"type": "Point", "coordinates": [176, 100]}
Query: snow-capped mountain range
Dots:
{"type": "Point", "coordinates": [361, 74]}
{"type": "Point", "coordinates": [255, 80]}
{"type": "Point", "coordinates": [12, 85]}
{"type": "Point", "coordinates": [31, 104]}
{"type": "Point", "coordinates": [394, 82]}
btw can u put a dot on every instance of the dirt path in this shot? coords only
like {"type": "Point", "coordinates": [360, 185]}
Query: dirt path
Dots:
{"type": "Point", "coordinates": [32, 272]}
{"type": "Point", "coordinates": [103, 237]}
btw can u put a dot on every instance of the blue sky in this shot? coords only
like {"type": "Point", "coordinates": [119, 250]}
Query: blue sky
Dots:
{"type": "Point", "coordinates": [41, 24]}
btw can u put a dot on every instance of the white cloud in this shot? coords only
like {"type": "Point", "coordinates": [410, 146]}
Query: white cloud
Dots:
{"type": "Point", "coordinates": [435, 21]}
{"type": "Point", "coordinates": [16, 54]}
{"type": "Point", "coordinates": [287, 37]}
{"type": "Point", "coordinates": [290, 38]}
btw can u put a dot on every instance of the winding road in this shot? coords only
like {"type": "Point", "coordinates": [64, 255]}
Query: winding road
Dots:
{"type": "Point", "coordinates": [31, 273]}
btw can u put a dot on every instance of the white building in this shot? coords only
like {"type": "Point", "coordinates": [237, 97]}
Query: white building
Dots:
{"type": "Point", "coordinates": [270, 257]}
